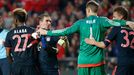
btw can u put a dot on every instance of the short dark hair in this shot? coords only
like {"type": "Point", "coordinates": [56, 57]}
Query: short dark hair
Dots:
{"type": "Point", "coordinates": [94, 6]}
{"type": "Point", "coordinates": [41, 17]}
{"type": "Point", "coordinates": [122, 11]}
{"type": "Point", "coordinates": [20, 14]}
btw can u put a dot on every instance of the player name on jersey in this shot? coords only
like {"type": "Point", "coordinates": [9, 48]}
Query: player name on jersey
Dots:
{"type": "Point", "coordinates": [20, 31]}
{"type": "Point", "coordinates": [90, 21]}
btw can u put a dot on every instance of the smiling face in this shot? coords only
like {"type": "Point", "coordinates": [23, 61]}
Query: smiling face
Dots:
{"type": "Point", "coordinates": [45, 22]}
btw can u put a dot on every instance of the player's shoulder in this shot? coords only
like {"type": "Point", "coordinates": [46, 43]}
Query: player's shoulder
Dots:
{"type": "Point", "coordinates": [80, 20]}
{"type": "Point", "coordinates": [102, 17]}
{"type": "Point", "coordinates": [28, 27]}
{"type": "Point", "coordinates": [5, 30]}
{"type": "Point", "coordinates": [11, 31]}
{"type": "Point", "coordinates": [98, 18]}
{"type": "Point", "coordinates": [116, 28]}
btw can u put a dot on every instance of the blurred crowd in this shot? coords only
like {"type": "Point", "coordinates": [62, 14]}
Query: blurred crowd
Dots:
{"type": "Point", "coordinates": [64, 13]}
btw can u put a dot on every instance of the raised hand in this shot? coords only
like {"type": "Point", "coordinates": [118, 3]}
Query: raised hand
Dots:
{"type": "Point", "coordinates": [130, 24]}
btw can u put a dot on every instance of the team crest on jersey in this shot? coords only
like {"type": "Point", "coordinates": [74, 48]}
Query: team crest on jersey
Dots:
{"type": "Point", "coordinates": [48, 38]}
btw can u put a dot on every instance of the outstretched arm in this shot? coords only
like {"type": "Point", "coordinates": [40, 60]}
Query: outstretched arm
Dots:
{"type": "Point", "coordinates": [61, 32]}
{"type": "Point", "coordinates": [111, 36]}
{"type": "Point", "coordinates": [108, 23]}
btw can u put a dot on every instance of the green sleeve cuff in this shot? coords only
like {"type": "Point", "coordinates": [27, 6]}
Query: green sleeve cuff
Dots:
{"type": "Point", "coordinates": [123, 22]}
{"type": "Point", "coordinates": [49, 32]}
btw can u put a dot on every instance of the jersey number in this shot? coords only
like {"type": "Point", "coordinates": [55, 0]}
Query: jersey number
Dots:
{"type": "Point", "coordinates": [18, 37]}
{"type": "Point", "coordinates": [128, 42]}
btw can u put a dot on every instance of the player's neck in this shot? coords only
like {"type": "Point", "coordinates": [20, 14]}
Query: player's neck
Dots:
{"type": "Point", "coordinates": [21, 24]}
{"type": "Point", "coordinates": [92, 14]}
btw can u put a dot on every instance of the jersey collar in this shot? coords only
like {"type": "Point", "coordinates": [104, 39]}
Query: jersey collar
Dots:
{"type": "Point", "coordinates": [92, 16]}
{"type": "Point", "coordinates": [21, 25]}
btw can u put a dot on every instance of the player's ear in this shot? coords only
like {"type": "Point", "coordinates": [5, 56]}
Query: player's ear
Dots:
{"type": "Point", "coordinates": [88, 10]}
{"type": "Point", "coordinates": [16, 20]}
{"type": "Point", "coordinates": [39, 22]}
{"type": "Point", "coordinates": [122, 17]}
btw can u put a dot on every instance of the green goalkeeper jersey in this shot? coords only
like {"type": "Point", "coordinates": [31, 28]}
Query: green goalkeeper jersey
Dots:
{"type": "Point", "coordinates": [89, 55]}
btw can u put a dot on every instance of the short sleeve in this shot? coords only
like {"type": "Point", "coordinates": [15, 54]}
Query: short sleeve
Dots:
{"type": "Point", "coordinates": [7, 41]}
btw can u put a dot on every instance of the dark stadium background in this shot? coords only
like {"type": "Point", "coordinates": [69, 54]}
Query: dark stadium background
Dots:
{"type": "Point", "coordinates": [64, 13]}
